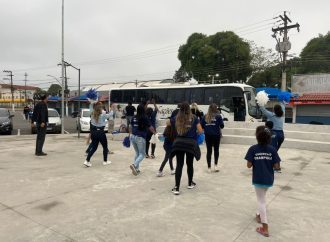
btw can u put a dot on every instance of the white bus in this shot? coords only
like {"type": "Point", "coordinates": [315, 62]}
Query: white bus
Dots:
{"type": "Point", "coordinates": [236, 101]}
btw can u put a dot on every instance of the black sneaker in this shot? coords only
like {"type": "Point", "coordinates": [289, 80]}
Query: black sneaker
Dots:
{"type": "Point", "coordinates": [175, 191]}
{"type": "Point", "coordinates": [192, 185]}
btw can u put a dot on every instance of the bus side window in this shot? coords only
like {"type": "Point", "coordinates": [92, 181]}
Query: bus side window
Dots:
{"type": "Point", "coordinates": [142, 95]}
{"type": "Point", "coordinates": [129, 95]}
{"type": "Point", "coordinates": [197, 95]}
{"type": "Point", "coordinates": [213, 95]}
{"type": "Point", "coordinates": [175, 96]}
{"type": "Point", "coordinates": [160, 95]}
{"type": "Point", "coordinates": [116, 96]}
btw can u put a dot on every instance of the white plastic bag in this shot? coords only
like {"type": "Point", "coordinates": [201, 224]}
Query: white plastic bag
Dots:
{"type": "Point", "coordinates": [154, 139]}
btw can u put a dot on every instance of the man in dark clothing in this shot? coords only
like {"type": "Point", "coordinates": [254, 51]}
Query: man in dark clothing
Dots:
{"type": "Point", "coordinates": [40, 117]}
{"type": "Point", "coordinates": [129, 110]}
{"type": "Point", "coordinates": [26, 111]}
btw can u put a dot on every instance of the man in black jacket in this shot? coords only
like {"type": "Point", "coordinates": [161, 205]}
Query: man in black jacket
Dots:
{"type": "Point", "coordinates": [40, 116]}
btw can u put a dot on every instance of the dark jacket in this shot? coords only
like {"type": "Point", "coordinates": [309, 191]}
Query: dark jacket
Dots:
{"type": "Point", "coordinates": [40, 113]}
{"type": "Point", "coordinates": [188, 145]}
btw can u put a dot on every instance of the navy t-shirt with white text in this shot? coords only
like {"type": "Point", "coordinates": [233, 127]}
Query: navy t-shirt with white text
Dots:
{"type": "Point", "coordinates": [214, 127]}
{"type": "Point", "coordinates": [263, 158]}
{"type": "Point", "coordinates": [140, 132]}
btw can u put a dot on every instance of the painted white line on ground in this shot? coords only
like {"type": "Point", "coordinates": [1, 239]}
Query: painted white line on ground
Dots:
{"type": "Point", "coordinates": [67, 132]}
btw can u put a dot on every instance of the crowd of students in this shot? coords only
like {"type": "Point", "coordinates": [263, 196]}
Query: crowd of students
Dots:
{"type": "Point", "coordinates": [180, 140]}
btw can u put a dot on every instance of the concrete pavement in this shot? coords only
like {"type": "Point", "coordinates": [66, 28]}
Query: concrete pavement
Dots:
{"type": "Point", "coordinates": [54, 198]}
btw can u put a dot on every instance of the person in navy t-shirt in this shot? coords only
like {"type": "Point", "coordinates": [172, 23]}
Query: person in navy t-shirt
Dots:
{"type": "Point", "coordinates": [140, 126]}
{"type": "Point", "coordinates": [263, 158]}
{"type": "Point", "coordinates": [212, 124]}
{"type": "Point", "coordinates": [151, 115]}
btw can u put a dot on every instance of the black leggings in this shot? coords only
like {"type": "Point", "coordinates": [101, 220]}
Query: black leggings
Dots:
{"type": "Point", "coordinates": [212, 141]}
{"type": "Point", "coordinates": [98, 136]}
{"type": "Point", "coordinates": [166, 158]}
{"type": "Point", "coordinates": [179, 166]}
{"type": "Point", "coordinates": [153, 146]}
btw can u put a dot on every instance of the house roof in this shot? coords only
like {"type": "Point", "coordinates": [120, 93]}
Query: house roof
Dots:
{"type": "Point", "coordinates": [19, 87]}
{"type": "Point", "coordinates": [314, 97]}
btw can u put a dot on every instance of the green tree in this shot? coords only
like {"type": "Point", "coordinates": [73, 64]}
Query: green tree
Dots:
{"type": "Point", "coordinates": [223, 53]}
{"type": "Point", "coordinates": [315, 56]}
{"type": "Point", "coordinates": [38, 93]}
{"type": "Point", "coordinates": [54, 89]}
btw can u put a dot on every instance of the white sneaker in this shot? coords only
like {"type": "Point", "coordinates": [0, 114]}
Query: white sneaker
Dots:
{"type": "Point", "coordinates": [192, 185]}
{"type": "Point", "coordinates": [216, 169]}
{"type": "Point", "coordinates": [172, 172]}
{"type": "Point", "coordinates": [106, 163]}
{"type": "Point", "coordinates": [209, 170]}
{"type": "Point", "coordinates": [87, 163]}
{"type": "Point", "coordinates": [160, 174]}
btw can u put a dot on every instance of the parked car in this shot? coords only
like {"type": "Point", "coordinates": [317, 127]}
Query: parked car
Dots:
{"type": "Point", "coordinates": [6, 121]}
{"type": "Point", "coordinates": [54, 122]}
{"type": "Point", "coordinates": [85, 118]}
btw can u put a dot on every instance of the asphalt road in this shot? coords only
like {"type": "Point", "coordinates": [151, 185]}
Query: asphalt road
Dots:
{"type": "Point", "coordinates": [25, 126]}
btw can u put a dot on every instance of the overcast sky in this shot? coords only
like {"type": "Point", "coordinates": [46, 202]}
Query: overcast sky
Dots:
{"type": "Point", "coordinates": [125, 40]}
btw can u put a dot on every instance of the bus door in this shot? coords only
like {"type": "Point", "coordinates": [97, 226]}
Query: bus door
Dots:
{"type": "Point", "coordinates": [239, 108]}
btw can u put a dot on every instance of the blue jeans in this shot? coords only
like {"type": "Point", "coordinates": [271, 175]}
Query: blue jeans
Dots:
{"type": "Point", "coordinates": [139, 145]}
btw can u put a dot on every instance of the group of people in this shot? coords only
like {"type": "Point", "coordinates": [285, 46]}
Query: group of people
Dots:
{"type": "Point", "coordinates": [180, 140]}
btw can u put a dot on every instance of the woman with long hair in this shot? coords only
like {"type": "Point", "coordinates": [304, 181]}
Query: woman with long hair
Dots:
{"type": "Point", "coordinates": [195, 111]}
{"type": "Point", "coordinates": [139, 127]}
{"type": "Point", "coordinates": [187, 126]}
{"type": "Point", "coordinates": [212, 124]}
{"type": "Point", "coordinates": [278, 119]}
{"type": "Point", "coordinates": [98, 122]}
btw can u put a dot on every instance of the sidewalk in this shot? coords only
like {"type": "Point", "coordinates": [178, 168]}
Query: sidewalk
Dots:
{"type": "Point", "coordinates": [54, 198]}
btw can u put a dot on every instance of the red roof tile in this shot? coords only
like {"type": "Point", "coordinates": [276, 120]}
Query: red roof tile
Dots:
{"type": "Point", "coordinates": [313, 97]}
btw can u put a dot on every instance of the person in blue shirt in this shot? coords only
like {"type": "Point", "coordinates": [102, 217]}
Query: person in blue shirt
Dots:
{"type": "Point", "coordinates": [151, 114]}
{"type": "Point", "coordinates": [278, 119]}
{"type": "Point", "coordinates": [263, 158]}
{"type": "Point", "coordinates": [270, 125]}
{"type": "Point", "coordinates": [212, 124]}
{"type": "Point", "coordinates": [139, 128]}
{"type": "Point", "coordinates": [98, 122]}
{"type": "Point", "coordinates": [186, 126]}
{"type": "Point", "coordinates": [169, 134]}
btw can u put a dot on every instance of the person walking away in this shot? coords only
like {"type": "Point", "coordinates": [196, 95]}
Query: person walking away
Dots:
{"type": "Point", "coordinates": [169, 134]}
{"type": "Point", "coordinates": [138, 134]}
{"type": "Point", "coordinates": [129, 112]}
{"type": "Point", "coordinates": [212, 124]}
{"type": "Point", "coordinates": [187, 126]}
{"type": "Point", "coordinates": [151, 114]}
{"type": "Point", "coordinates": [98, 121]}
{"type": "Point", "coordinates": [40, 117]}
{"type": "Point", "coordinates": [263, 158]}
{"type": "Point", "coordinates": [26, 112]}
{"type": "Point", "coordinates": [195, 111]}
{"type": "Point", "coordinates": [278, 119]}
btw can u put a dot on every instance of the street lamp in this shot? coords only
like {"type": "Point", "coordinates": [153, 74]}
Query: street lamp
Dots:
{"type": "Point", "coordinates": [55, 79]}
{"type": "Point", "coordinates": [11, 87]}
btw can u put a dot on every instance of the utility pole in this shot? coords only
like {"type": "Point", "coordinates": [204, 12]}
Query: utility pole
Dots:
{"type": "Point", "coordinates": [25, 86]}
{"type": "Point", "coordinates": [284, 46]}
{"type": "Point", "coordinates": [11, 88]}
{"type": "Point", "coordinates": [62, 64]}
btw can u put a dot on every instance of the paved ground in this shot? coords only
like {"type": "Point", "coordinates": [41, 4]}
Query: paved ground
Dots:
{"type": "Point", "coordinates": [55, 198]}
